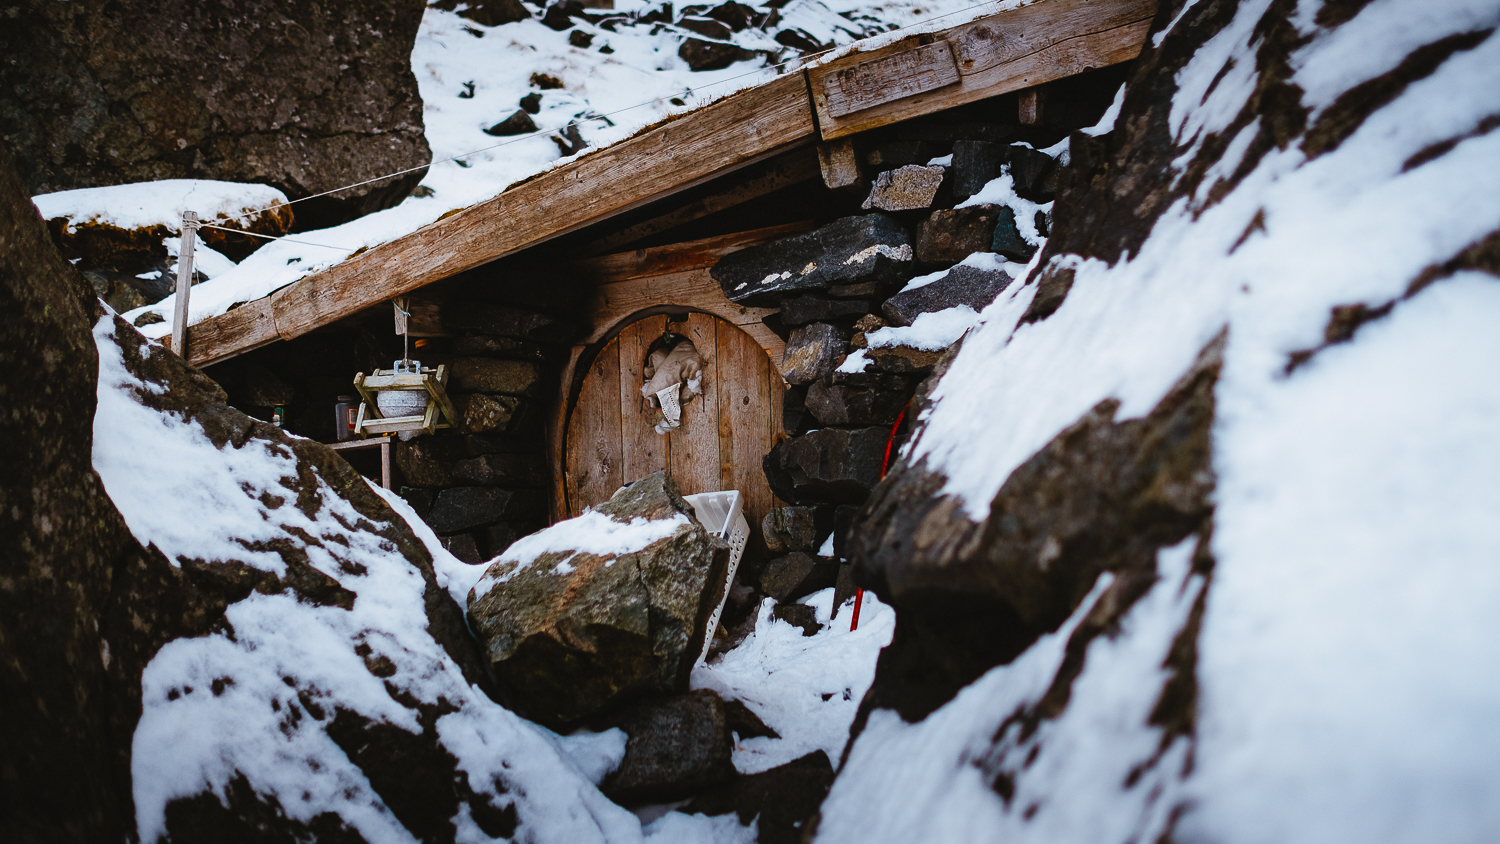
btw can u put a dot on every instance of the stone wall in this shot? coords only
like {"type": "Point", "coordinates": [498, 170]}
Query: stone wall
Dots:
{"type": "Point", "coordinates": [303, 97]}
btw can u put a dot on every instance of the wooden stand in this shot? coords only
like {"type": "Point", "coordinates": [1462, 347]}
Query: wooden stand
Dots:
{"type": "Point", "coordinates": [383, 443]}
{"type": "Point", "coordinates": [370, 421]}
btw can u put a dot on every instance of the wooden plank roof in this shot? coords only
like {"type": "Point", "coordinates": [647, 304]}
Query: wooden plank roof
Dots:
{"type": "Point", "coordinates": [920, 74]}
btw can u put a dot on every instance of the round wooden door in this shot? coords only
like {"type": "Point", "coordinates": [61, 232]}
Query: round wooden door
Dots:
{"type": "Point", "coordinates": [725, 432]}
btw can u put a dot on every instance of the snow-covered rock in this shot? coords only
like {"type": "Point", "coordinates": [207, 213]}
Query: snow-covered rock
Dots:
{"type": "Point", "coordinates": [1194, 540]}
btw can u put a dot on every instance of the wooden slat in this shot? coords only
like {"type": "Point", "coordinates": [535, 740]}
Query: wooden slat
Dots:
{"type": "Point", "coordinates": [557, 438]}
{"type": "Point", "coordinates": [1009, 51]}
{"type": "Point", "coordinates": [679, 257]}
{"type": "Point", "coordinates": [839, 162]}
{"type": "Point", "coordinates": [693, 289]}
{"type": "Point", "coordinates": [593, 440]}
{"type": "Point", "coordinates": [644, 450]}
{"type": "Point", "coordinates": [874, 82]}
{"type": "Point", "coordinates": [736, 131]}
{"type": "Point", "coordinates": [235, 332]}
{"type": "Point", "coordinates": [793, 168]}
{"type": "Point", "coordinates": [694, 456]}
{"type": "Point", "coordinates": [745, 429]}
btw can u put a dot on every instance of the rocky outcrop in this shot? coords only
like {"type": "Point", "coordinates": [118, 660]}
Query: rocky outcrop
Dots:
{"type": "Point", "coordinates": [599, 609]}
{"type": "Point", "coordinates": [88, 610]}
{"type": "Point", "coordinates": [306, 98]}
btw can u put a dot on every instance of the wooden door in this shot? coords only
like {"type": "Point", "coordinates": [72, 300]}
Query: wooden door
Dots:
{"type": "Point", "coordinates": [725, 432]}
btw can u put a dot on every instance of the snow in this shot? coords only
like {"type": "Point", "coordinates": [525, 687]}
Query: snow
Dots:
{"type": "Point", "coordinates": [591, 533]}
{"type": "Point", "coordinates": [196, 502]}
{"type": "Point", "coordinates": [162, 203]}
{"type": "Point", "coordinates": [932, 331]}
{"type": "Point", "coordinates": [1343, 694]}
{"type": "Point", "coordinates": [783, 677]}
{"type": "Point", "coordinates": [1071, 789]}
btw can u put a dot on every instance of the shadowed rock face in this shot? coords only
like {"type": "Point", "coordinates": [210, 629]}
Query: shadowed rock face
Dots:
{"type": "Point", "coordinates": [305, 97]}
{"type": "Point", "coordinates": [84, 608]}
{"type": "Point", "coordinates": [570, 633]}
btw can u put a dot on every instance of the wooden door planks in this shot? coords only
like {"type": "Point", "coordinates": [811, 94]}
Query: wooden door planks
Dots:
{"type": "Point", "coordinates": [747, 427]}
{"type": "Point", "coordinates": [1009, 51]}
{"type": "Point", "coordinates": [594, 468]}
{"type": "Point", "coordinates": [694, 456]}
{"type": "Point", "coordinates": [641, 454]}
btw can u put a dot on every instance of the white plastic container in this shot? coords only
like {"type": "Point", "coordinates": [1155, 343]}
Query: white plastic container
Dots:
{"type": "Point", "coordinates": [721, 513]}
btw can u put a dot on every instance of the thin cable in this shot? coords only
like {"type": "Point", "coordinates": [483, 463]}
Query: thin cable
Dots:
{"type": "Point", "coordinates": [272, 237]}
{"type": "Point", "coordinates": [806, 59]}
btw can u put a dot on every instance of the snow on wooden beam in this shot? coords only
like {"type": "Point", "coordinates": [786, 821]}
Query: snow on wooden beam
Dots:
{"type": "Point", "coordinates": [1009, 51]}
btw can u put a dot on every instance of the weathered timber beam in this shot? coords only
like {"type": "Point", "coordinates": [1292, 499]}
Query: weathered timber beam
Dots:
{"type": "Point", "coordinates": [677, 257]}
{"type": "Point", "coordinates": [737, 131]}
{"type": "Point", "coordinates": [793, 168]}
{"type": "Point", "coordinates": [1009, 51]}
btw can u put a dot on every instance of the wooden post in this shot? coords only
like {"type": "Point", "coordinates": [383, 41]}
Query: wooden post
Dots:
{"type": "Point", "coordinates": [839, 163]}
{"type": "Point", "coordinates": [385, 462]}
{"type": "Point", "coordinates": [1031, 106]}
{"type": "Point", "coordinates": [184, 281]}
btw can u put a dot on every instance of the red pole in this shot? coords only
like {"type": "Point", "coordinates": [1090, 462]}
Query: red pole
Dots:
{"type": "Point", "coordinates": [859, 598]}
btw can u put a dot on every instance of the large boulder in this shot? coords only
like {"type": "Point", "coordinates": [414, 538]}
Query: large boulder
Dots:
{"type": "Point", "coordinates": [851, 250]}
{"type": "Point", "coordinates": [601, 608]}
{"type": "Point", "coordinates": [303, 97]}
{"type": "Point", "coordinates": [780, 801]}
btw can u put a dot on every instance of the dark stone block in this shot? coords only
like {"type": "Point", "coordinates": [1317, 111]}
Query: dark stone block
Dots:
{"type": "Point", "coordinates": [791, 529]}
{"type": "Point", "coordinates": [975, 164]}
{"type": "Point", "coordinates": [900, 153]}
{"type": "Point", "coordinates": [780, 801]}
{"type": "Point", "coordinates": [808, 308]}
{"type": "Point", "coordinates": [509, 348]}
{"type": "Point", "coordinates": [559, 15]}
{"type": "Point", "coordinates": [795, 420]}
{"type": "Point", "coordinates": [464, 507]}
{"type": "Point", "coordinates": [712, 55]}
{"type": "Point", "coordinates": [420, 462]}
{"type": "Point", "coordinates": [963, 285]}
{"type": "Point", "coordinates": [1008, 240]}
{"type": "Point", "coordinates": [487, 12]}
{"type": "Point", "coordinates": [843, 588]}
{"type": "Point", "coordinates": [527, 470]}
{"type": "Point", "coordinates": [812, 352]}
{"type": "Point", "coordinates": [707, 27]}
{"type": "Point", "coordinates": [487, 375]}
{"type": "Point", "coordinates": [737, 15]}
{"type": "Point", "coordinates": [531, 103]}
{"type": "Point", "coordinates": [1032, 171]}
{"type": "Point", "coordinates": [837, 465]}
{"type": "Point", "coordinates": [580, 39]}
{"type": "Point", "coordinates": [419, 499]}
{"type": "Point", "coordinates": [949, 236]}
{"type": "Point", "coordinates": [800, 39]}
{"type": "Point", "coordinates": [796, 575]}
{"type": "Point", "coordinates": [852, 250]}
{"type": "Point", "coordinates": [499, 537]}
{"type": "Point", "coordinates": [519, 123]}
{"type": "Point", "coordinates": [678, 746]}
{"type": "Point", "coordinates": [487, 318]}
{"type": "Point", "coordinates": [862, 290]}
{"type": "Point", "coordinates": [798, 615]}
{"type": "Point", "coordinates": [902, 360]}
{"type": "Point", "coordinates": [910, 188]}
{"type": "Point", "coordinates": [844, 517]}
{"type": "Point", "coordinates": [463, 547]}
{"type": "Point", "coordinates": [483, 413]}
{"type": "Point", "coordinates": [860, 398]}
{"type": "Point", "coordinates": [744, 723]}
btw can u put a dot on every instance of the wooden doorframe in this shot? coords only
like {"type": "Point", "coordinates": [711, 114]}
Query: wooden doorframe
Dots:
{"type": "Point", "coordinates": [580, 359]}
